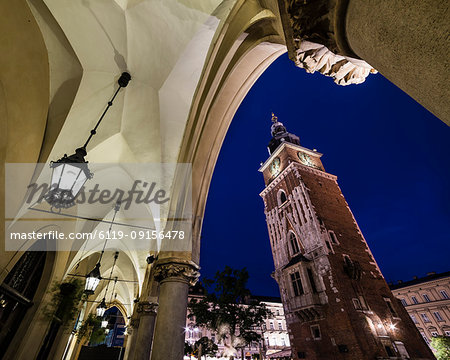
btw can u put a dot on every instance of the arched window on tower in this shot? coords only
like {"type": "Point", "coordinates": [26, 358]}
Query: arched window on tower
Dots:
{"type": "Point", "coordinates": [293, 243]}
{"type": "Point", "coordinates": [282, 198]}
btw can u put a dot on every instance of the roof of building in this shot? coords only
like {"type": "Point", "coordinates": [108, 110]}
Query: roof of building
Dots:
{"type": "Point", "coordinates": [274, 299]}
{"type": "Point", "coordinates": [430, 276]}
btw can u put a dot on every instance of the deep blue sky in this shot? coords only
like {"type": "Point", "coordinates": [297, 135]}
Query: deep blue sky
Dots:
{"type": "Point", "coordinates": [391, 157]}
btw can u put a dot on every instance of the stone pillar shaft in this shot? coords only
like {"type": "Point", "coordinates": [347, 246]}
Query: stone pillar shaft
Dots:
{"type": "Point", "coordinates": [144, 336]}
{"type": "Point", "coordinates": [407, 42]}
{"type": "Point", "coordinates": [175, 276]}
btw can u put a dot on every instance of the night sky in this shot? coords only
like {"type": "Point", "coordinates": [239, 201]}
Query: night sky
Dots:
{"type": "Point", "coordinates": [391, 157]}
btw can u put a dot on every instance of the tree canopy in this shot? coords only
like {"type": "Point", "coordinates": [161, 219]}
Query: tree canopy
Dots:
{"type": "Point", "coordinates": [229, 310]}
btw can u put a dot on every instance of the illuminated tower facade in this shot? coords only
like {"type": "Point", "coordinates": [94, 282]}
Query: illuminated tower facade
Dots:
{"type": "Point", "coordinates": [337, 303]}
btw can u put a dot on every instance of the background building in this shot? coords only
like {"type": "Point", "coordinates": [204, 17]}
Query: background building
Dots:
{"type": "Point", "coordinates": [427, 301]}
{"type": "Point", "coordinates": [275, 338]}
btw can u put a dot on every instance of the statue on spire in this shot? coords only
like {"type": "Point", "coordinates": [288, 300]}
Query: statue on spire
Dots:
{"type": "Point", "coordinates": [274, 118]}
{"type": "Point", "coordinates": [280, 135]}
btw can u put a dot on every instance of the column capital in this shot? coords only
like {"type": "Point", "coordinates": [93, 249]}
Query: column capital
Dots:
{"type": "Point", "coordinates": [316, 39]}
{"type": "Point", "coordinates": [146, 308]}
{"type": "Point", "coordinates": [174, 269]}
{"type": "Point", "coordinates": [318, 21]}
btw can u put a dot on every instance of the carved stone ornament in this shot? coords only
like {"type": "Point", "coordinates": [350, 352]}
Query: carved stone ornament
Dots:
{"type": "Point", "coordinates": [134, 324]}
{"type": "Point", "coordinates": [316, 41]}
{"type": "Point", "coordinates": [344, 70]}
{"type": "Point", "coordinates": [178, 270]}
{"type": "Point", "coordinates": [146, 307]}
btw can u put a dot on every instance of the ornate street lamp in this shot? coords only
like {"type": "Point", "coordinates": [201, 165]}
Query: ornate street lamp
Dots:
{"type": "Point", "coordinates": [92, 280]}
{"type": "Point", "coordinates": [70, 173]}
{"type": "Point", "coordinates": [101, 308]}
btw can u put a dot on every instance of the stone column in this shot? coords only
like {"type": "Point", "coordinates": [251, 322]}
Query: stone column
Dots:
{"type": "Point", "coordinates": [131, 338]}
{"type": "Point", "coordinates": [407, 42]}
{"type": "Point", "coordinates": [143, 344]}
{"type": "Point", "coordinates": [175, 276]}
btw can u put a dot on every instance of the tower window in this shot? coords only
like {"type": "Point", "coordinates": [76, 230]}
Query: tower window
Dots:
{"type": "Point", "coordinates": [294, 245]}
{"type": "Point", "coordinates": [297, 284]}
{"type": "Point", "coordinates": [357, 304]}
{"type": "Point", "coordinates": [311, 280]}
{"type": "Point", "coordinates": [282, 198]}
{"type": "Point", "coordinates": [391, 308]}
{"type": "Point", "coordinates": [333, 237]}
{"type": "Point", "coordinates": [315, 331]}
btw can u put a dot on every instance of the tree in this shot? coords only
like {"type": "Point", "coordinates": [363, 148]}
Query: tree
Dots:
{"type": "Point", "coordinates": [205, 346]}
{"type": "Point", "coordinates": [229, 311]}
{"type": "Point", "coordinates": [442, 346]}
{"type": "Point", "coordinates": [188, 349]}
{"type": "Point", "coordinates": [92, 329]}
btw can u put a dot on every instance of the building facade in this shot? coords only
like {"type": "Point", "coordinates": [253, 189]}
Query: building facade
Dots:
{"type": "Point", "coordinates": [275, 338]}
{"type": "Point", "coordinates": [337, 303]}
{"type": "Point", "coordinates": [427, 301]}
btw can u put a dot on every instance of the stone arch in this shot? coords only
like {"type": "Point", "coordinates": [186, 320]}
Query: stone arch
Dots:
{"type": "Point", "coordinates": [220, 93]}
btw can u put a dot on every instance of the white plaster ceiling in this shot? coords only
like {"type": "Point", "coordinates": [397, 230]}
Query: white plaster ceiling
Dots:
{"type": "Point", "coordinates": [163, 44]}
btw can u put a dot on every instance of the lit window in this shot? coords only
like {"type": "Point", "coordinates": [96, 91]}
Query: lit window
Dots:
{"type": "Point", "coordinates": [283, 342]}
{"type": "Point", "coordinates": [426, 298]}
{"type": "Point", "coordinates": [404, 302]}
{"type": "Point", "coordinates": [280, 325]}
{"type": "Point", "coordinates": [271, 326]}
{"type": "Point", "coordinates": [293, 242]}
{"type": "Point", "coordinates": [278, 312]}
{"type": "Point", "coordinates": [414, 299]}
{"type": "Point", "coordinates": [438, 316]}
{"type": "Point", "coordinates": [414, 319]}
{"type": "Point", "coordinates": [425, 317]}
{"type": "Point", "coordinates": [297, 284]}
{"type": "Point", "coordinates": [315, 331]}
{"type": "Point", "coordinates": [444, 294]}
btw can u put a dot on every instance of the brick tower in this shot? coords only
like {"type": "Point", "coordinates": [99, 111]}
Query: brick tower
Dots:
{"type": "Point", "coordinates": [337, 303]}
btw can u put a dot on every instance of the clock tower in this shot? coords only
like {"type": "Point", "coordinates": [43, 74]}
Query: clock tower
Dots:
{"type": "Point", "coordinates": [336, 301]}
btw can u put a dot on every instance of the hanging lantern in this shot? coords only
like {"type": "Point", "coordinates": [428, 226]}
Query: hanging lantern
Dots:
{"type": "Point", "coordinates": [71, 172]}
{"type": "Point", "coordinates": [104, 323]}
{"type": "Point", "coordinates": [101, 308]}
{"type": "Point", "coordinates": [92, 280]}
{"type": "Point", "coordinates": [68, 177]}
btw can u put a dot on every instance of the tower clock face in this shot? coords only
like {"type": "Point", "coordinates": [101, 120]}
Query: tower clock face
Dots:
{"type": "Point", "coordinates": [305, 158]}
{"type": "Point", "coordinates": [275, 166]}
